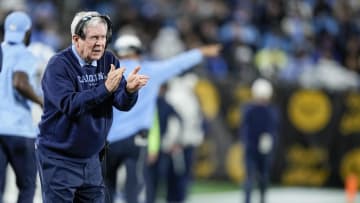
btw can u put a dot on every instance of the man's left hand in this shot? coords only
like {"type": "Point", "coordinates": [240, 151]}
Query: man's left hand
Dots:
{"type": "Point", "coordinates": [135, 81]}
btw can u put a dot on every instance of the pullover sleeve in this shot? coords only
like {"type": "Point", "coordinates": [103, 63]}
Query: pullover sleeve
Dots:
{"type": "Point", "coordinates": [123, 100]}
{"type": "Point", "coordinates": [61, 90]}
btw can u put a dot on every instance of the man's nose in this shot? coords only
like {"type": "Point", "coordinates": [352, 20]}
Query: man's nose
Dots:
{"type": "Point", "coordinates": [100, 41]}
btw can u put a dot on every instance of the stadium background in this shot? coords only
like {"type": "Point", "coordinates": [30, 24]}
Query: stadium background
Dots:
{"type": "Point", "coordinates": [319, 137]}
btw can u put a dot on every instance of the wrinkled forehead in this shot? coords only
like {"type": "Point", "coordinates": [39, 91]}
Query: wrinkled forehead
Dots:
{"type": "Point", "coordinates": [96, 20]}
{"type": "Point", "coordinates": [95, 29]}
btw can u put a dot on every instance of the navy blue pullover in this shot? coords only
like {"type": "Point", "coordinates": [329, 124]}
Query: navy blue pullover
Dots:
{"type": "Point", "coordinates": [77, 106]}
{"type": "Point", "coordinates": [258, 119]}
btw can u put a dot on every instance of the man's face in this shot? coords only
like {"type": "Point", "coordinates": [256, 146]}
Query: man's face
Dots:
{"type": "Point", "coordinates": [92, 47]}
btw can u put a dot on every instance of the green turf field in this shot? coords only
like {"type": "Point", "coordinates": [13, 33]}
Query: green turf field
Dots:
{"type": "Point", "coordinates": [211, 186]}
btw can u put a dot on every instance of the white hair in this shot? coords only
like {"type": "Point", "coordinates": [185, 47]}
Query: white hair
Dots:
{"type": "Point", "coordinates": [80, 15]}
{"type": "Point", "coordinates": [262, 89]}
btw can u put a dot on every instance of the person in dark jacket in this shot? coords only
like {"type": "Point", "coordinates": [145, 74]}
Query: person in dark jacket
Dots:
{"type": "Point", "coordinates": [258, 131]}
{"type": "Point", "coordinates": [81, 84]}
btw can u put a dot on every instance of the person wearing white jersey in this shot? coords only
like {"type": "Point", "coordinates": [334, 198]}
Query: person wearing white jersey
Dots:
{"type": "Point", "coordinates": [17, 131]}
{"type": "Point", "coordinates": [128, 134]}
{"type": "Point", "coordinates": [182, 97]}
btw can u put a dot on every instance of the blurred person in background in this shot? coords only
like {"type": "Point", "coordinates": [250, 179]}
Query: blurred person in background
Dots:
{"type": "Point", "coordinates": [327, 72]}
{"type": "Point", "coordinates": [182, 97]}
{"type": "Point", "coordinates": [81, 84]}
{"type": "Point", "coordinates": [43, 53]}
{"type": "Point", "coordinates": [258, 132]}
{"type": "Point", "coordinates": [352, 54]}
{"type": "Point", "coordinates": [128, 145]}
{"type": "Point", "coordinates": [17, 131]}
{"type": "Point", "coordinates": [299, 61]}
{"type": "Point", "coordinates": [44, 14]}
{"type": "Point", "coordinates": [166, 162]}
{"type": "Point", "coordinates": [271, 57]}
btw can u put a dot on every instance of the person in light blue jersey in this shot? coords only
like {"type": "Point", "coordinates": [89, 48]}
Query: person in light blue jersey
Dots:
{"type": "Point", "coordinates": [127, 145]}
{"type": "Point", "coordinates": [17, 131]}
{"type": "Point", "coordinates": [81, 84]}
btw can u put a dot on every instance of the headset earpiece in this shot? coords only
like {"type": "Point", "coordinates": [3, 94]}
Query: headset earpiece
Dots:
{"type": "Point", "coordinates": [109, 29]}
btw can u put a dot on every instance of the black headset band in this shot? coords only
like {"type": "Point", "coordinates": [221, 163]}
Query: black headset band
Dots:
{"type": "Point", "coordinates": [82, 22]}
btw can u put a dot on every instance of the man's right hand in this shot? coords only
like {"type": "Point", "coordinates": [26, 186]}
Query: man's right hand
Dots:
{"type": "Point", "coordinates": [113, 78]}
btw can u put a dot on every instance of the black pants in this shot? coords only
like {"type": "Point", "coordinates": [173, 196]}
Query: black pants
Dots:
{"type": "Point", "coordinates": [19, 152]}
{"type": "Point", "coordinates": [177, 178]}
{"type": "Point", "coordinates": [257, 170]}
{"type": "Point", "coordinates": [133, 154]}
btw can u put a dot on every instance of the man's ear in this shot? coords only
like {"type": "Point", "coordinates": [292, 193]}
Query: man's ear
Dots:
{"type": "Point", "coordinates": [75, 38]}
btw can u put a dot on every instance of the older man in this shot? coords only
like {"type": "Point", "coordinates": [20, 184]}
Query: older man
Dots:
{"type": "Point", "coordinates": [80, 85]}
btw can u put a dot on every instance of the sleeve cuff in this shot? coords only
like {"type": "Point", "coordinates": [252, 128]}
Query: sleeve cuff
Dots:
{"type": "Point", "coordinates": [131, 95]}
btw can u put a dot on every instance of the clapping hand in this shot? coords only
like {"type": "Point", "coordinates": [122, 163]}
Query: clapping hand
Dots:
{"type": "Point", "coordinates": [113, 78]}
{"type": "Point", "coordinates": [135, 81]}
